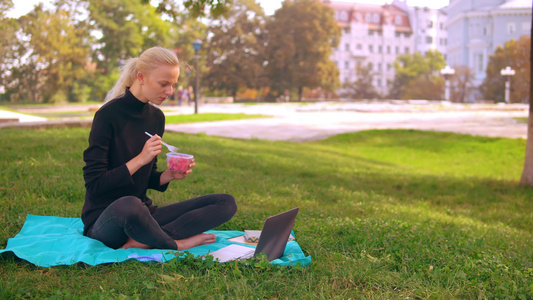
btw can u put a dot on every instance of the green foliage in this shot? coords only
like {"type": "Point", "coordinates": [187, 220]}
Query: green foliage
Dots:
{"type": "Point", "coordinates": [217, 8]}
{"type": "Point", "coordinates": [362, 88]}
{"type": "Point", "coordinates": [301, 35]}
{"type": "Point", "coordinates": [235, 53]}
{"type": "Point", "coordinates": [461, 84]}
{"type": "Point", "coordinates": [54, 55]}
{"type": "Point", "coordinates": [206, 117]}
{"type": "Point", "coordinates": [414, 71]}
{"type": "Point", "coordinates": [127, 28]}
{"type": "Point", "coordinates": [515, 54]}
{"type": "Point", "coordinates": [385, 214]}
{"type": "Point", "coordinates": [47, 54]}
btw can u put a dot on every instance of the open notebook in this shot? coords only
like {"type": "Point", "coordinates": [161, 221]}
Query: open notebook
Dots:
{"type": "Point", "coordinates": [272, 241]}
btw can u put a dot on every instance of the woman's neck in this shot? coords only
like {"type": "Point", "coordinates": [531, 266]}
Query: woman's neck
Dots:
{"type": "Point", "coordinates": [136, 90]}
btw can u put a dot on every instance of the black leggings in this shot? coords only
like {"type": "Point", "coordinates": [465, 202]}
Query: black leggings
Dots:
{"type": "Point", "coordinates": [128, 217]}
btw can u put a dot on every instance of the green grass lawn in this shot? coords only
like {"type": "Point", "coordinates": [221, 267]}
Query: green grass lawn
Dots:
{"type": "Point", "coordinates": [392, 214]}
{"type": "Point", "coordinates": [207, 117]}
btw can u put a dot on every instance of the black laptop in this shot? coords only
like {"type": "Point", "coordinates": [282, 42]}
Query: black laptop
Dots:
{"type": "Point", "coordinates": [272, 241]}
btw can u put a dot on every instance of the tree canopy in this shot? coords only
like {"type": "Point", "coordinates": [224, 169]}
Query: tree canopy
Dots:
{"type": "Point", "coordinates": [363, 87]}
{"type": "Point", "coordinates": [514, 54]}
{"type": "Point", "coordinates": [417, 76]}
{"type": "Point", "coordinates": [235, 52]}
{"type": "Point", "coordinates": [300, 39]}
{"type": "Point", "coordinates": [72, 52]}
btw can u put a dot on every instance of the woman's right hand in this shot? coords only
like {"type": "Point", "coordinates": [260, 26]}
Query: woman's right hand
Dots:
{"type": "Point", "coordinates": [151, 148]}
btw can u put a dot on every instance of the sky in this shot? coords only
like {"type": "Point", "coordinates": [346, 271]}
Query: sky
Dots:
{"type": "Point", "coordinates": [270, 6]}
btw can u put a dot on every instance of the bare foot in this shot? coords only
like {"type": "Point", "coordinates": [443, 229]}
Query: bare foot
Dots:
{"type": "Point", "coordinates": [131, 243]}
{"type": "Point", "coordinates": [197, 240]}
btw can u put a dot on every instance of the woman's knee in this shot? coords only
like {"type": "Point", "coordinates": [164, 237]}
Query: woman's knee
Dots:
{"type": "Point", "coordinates": [229, 204]}
{"type": "Point", "coordinates": [130, 208]}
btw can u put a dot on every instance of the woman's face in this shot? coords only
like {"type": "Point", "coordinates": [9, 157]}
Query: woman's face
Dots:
{"type": "Point", "coordinates": [158, 84]}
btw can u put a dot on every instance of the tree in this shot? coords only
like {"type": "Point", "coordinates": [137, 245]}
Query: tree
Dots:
{"type": "Point", "coordinates": [527, 173]}
{"type": "Point", "coordinates": [8, 41]}
{"type": "Point", "coordinates": [48, 58]}
{"type": "Point", "coordinates": [416, 76]}
{"type": "Point", "coordinates": [197, 8]}
{"type": "Point", "coordinates": [516, 55]}
{"type": "Point", "coordinates": [425, 87]}
{"type": "Point", "coordinates": [235, 50]}
{"type": "Point", "coordinates": [461, 83]}
{"type": "Point", "coordinates": [362, 88]}
{"type": "Point", "coordinates": [127, 28]}
{"type": "Point", "coordinates": [300, 38]}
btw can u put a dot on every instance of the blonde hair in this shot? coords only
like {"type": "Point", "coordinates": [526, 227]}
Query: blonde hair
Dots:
{"type": "Point", "coordinates": [147, 61]}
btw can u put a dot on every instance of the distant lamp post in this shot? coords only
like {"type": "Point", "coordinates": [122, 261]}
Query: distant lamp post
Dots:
{"type": "Point", "coordinates": [197, 44]}
{"type": "Point", "coordinates": [447, 72]}
{"type": "Point", "coordinates": [507, 73]}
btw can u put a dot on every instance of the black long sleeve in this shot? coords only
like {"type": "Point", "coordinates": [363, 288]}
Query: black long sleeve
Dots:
{"type": "Point", "coordinates": [117, 135]}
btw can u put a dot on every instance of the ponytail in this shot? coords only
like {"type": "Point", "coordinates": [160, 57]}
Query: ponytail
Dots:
{"type": "Point", "coordinates": [128, 72]}
{"type": "Point", "coordinates": [147, 61]}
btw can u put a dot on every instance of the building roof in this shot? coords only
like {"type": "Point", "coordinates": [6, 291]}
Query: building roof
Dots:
{"type": "Point", "coordinates": [374, 15]}
{"type": "Point", "coordinates": [511, 4]}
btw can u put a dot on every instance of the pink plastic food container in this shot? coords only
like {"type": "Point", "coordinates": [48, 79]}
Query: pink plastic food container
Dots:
{"type": "Point", "coordinates": [179, 162]}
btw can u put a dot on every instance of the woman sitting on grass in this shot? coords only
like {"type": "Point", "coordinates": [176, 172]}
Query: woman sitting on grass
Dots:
{"type": "Point", "coordinates": [121, 165]}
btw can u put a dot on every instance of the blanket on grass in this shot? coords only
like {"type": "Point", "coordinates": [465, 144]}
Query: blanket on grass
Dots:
{"type": "Point", "coordinates": [51, 241]}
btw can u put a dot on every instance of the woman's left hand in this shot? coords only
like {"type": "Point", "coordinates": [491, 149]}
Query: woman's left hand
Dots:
{"type": "Point", "coordinates": [170, 175]}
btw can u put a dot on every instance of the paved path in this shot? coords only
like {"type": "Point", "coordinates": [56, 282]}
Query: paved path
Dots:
{"type": "Point", "coordinates": [321, 120]}
{"type": "Point", "coordinates": [303, 122]}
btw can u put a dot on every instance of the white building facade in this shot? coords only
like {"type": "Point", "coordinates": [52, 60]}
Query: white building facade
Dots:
{"type": "Point", "coordinates": [429, 29]}
{"type": "Point", "coordinates": [478, 27]}
{"type": "Point", "coordinates": [374, 35]}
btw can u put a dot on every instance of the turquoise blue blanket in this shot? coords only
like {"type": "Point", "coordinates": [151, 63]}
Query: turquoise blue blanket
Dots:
{"type": "Point", "coordinates": [51, 241]}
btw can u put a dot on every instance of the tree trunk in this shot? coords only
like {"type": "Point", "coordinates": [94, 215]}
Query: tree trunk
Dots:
{"type": "Point", "coordinates": [234, 95]}
{"type": "Point", "coordinates": [527, 173]}
{"type": "Point", "coordinates": [300, 92]}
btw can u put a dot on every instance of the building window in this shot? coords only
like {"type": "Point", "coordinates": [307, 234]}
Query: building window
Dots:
{"type": "Point", "coordinates": [398, 20]}
{"type": "Point", "coordinates": [397, 50]}
{"type": "Point", "coordinates": [406, 50]}
{"type": "Point", "coordinates": [370, 65]}
{"type": "Point", "coordinates": [429, 39]}
{"type": "Point", "coordinates": [441, 26]}
{"type": "Point", "coordinates": [371, 48]}
{"type": "Point", "coordinates": [359, 46]}
{"type": "Point", "coordinates": [388, 49]}
{"type": "Point", "coordinates": [358, 16]}
{"type": "Point", "coordinates": [344, 16]}
{"type": "Point", "coordinates": [379, 82]}
{"type": "Point", "coordinates": [370, 32]}
{"type": "Point", "coordinates": [526, 27]}
{"type": "Point", "coordinates": [380, 49]}
{"type": "Point", "coordinates": [397, 34]}
{"type": "Point", "coordinates": [376, 18]}
{"type": "Point", "coordinates": [511, 28]}
{"type": "Point", "coordinates": [379, 67]}
{"type": "Point", "coordinates": [368, 18]}
{"type": "Point", "coordinates": [388, 67]}
{"type": "Point", "coordinates": [347, 47]}
{"type": "Point", "coordinates": [430, 24]}
{"type": "Point", "coordinates": [478, 63]}
{"type": "Point", "coordinates": [347, 65]}
{"type": "Point", "coordinates": [346, 30]}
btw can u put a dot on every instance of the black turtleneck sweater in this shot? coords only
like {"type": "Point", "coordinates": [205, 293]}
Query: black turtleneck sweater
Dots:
{"type": "Point", "coordinates": [117, 135]}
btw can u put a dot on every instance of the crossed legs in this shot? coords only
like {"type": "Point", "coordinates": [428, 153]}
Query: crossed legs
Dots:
{"type": "Point", "coordinates": [127, 222]}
